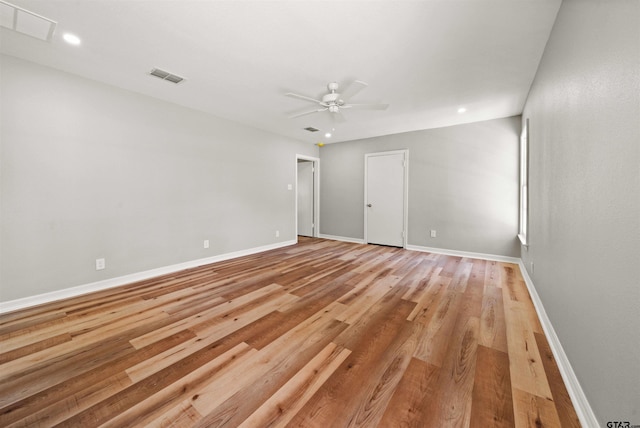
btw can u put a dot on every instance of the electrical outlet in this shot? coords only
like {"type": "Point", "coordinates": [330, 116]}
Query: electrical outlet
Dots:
{"type": "Point", "coordinates": [433, 233]}
{"type": "Point", "coordinates": [277, 233]}
{"type": "Point", "coordinates": [206, 243]}
{"type": "Point", "coordinates": [100, 264]}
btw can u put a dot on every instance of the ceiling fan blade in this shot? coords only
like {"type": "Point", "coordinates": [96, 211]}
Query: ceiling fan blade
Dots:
{"type": "Point", "coordinates": [367, 106]}
{"type": "Point", "coordinates": [352, 89]}
{"type": "Point", "coordinates": [308, 112]}
{"type": "Point", "coordinates": [338, 117]}
{"type": "Point", "coordinates": [302, 97]}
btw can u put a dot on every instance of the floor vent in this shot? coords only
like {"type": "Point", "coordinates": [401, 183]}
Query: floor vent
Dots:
{"type": "Point", "coordinates": [165, 75]}
{"type": "Point", "coordinates": [311, 129]}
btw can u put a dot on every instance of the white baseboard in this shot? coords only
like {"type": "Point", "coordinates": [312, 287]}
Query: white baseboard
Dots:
{"type": "Point", "coordinates": [342, 238]}
{"type": "Point", "coordinates": [481, 256]}
{"type": "Point", "coordinates": [578, 398]}
{"type": "Point", "coordinates": [39, 299]}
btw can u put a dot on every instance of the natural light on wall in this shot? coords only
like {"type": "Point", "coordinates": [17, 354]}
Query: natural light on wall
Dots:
{"type": "Point", "coordinates": [524, 182]}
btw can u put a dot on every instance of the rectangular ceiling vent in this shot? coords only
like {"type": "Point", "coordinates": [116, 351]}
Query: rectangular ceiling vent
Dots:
{"type": "Point", "coordinates": [311, 129]}
{"type": "Point", "coordinates": [165, 75]}
{"type": "Point", "coordinates": [26, 22]}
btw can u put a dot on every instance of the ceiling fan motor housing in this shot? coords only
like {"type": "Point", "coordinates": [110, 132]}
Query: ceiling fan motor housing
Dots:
{"type": "Point", "coordinates": [330, 98]}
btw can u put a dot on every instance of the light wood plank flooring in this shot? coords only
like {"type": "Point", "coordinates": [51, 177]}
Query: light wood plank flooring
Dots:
{"type": "Point", "coordinates": [320, 334]}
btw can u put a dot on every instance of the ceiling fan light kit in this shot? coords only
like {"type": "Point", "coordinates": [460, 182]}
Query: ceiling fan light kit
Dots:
{"type": "Point", "coordinates": [334, 101]}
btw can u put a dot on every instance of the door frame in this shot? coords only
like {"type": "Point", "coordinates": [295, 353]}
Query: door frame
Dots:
{"type": "Point", "coordinates": [316, 193]}
{"type": "Point", "coordinates": [405, 196]}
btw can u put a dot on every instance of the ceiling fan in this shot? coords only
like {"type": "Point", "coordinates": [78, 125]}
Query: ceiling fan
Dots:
{"type": "Point", "coordinates": [335, 101]}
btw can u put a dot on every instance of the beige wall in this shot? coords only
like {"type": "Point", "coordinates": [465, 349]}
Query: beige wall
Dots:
{"type": "Point", "coordinates": [584, 118]}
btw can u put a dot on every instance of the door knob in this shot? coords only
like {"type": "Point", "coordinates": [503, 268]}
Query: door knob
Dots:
{"type": "Point", "coordinates": [369, 205]}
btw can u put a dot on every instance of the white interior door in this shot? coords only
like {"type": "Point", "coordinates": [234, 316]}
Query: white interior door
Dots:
{"type": "Point", "coordinates": [305, 198]}
{"type": "Point", "coordinates": [385, 198]}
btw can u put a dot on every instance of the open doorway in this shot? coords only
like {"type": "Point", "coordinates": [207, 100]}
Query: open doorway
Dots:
{"type": "Point", "coordinates": [307, 195]}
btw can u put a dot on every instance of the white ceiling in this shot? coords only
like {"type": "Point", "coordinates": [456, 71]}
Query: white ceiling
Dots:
{"type": "Point", "coordinates": [425, 58]}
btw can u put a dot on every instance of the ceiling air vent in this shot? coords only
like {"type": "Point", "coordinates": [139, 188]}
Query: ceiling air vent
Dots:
{"type": "Point", "coordinates": [26, 22]}
{"type": "Point", "coordinates": [311, 129]}
{"type": "Point", "coordinates": [165, 75]}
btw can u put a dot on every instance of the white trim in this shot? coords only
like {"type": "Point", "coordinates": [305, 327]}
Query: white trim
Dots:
{"type": "Point", "coordinates": [482, 256]}
{"type": "Point", "coordinates": [405, 196]}
{"type": "Point", "coordinates": [342, 238]}
{"type": "Point", "coordinates": [523, 239]}
{"type": "Point", "coordinates": [523, 210]}
{"type": "Point", "coordinates": [39, 299]}
{"type": "Point", "coordinates": [316, 193]}
{"type": "Point", "coordinates": [578, 398]}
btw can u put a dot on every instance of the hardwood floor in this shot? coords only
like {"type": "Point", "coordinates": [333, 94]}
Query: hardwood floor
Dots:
{"type": "Point", "coordinates": [320, 334]}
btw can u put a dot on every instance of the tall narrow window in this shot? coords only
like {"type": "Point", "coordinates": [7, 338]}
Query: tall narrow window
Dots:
{"type": "Point", "coordinates": [524, 183]}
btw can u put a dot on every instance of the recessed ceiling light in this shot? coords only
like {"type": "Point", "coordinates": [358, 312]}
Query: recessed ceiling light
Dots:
{"type": "Point", "coordinates": [462, 110]}
{"type": "Point", "coordinates": [72, 39]}
{"type": "Point", "coordinates": [327, 135]}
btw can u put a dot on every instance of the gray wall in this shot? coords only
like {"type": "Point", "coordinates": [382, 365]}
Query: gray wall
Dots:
{"type": "Point", "coordinates": [463, 182]}
{"type": "Point", "coordinates": [584, 112]}
{"type": "Point", "coordinates": [89, 171]}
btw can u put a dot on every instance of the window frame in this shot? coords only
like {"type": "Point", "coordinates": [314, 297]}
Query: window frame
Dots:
{"type": "Point", "coordinates": [523, 224]}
